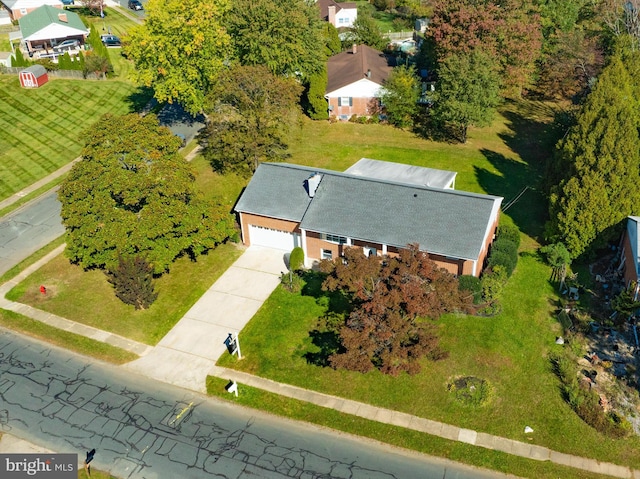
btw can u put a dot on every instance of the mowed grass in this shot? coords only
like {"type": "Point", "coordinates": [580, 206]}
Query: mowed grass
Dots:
{"type": "Point", "coordinates": [64, 339]}
{"type": "Point", "coordinates": [41, 128]}
{"type": "Point", "coordinates": [397, 436]}
{"type": "Point", "coordinates": [87, 297]}
{"type": "Point", "coordinates": [116, 23]}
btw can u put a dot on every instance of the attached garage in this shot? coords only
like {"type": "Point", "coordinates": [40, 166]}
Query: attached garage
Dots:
{"type": "Point", "coordinates": [271, 238]}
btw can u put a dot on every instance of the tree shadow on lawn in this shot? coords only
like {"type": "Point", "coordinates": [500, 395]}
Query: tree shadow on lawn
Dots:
{"type": "Point", "coordinates": [139, 99]}
{"type": "Point", "coordinates": [325, 336]}
{"type": "Point", "coordinates": [532, 134]}
{"type": "Point", "coordinates": [529, 211]}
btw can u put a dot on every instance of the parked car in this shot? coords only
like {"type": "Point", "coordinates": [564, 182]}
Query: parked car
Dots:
{"type": "Point", "coordinates": [135, 5]}
{"type": "Point", "coordinates": [67, 2]}
{"type": "Point", "coordinates": [66, 45]}
{"type": "Point", "coordinates": [110, 40]}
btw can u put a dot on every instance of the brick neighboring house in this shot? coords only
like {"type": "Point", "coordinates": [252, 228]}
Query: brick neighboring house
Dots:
{"type": "Point", "coordinates": [19, 8]}
{"type": "Point", "coordinates": [631, 251]}
{"type": "Point", "coordinates": [355, 78]}
{"type": "Point", "coordinates": [324, 211]}
{"type": "Point", "coordinates": [338, 14]}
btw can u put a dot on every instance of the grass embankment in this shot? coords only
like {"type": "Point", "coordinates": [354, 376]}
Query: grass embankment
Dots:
{"type": "Point", "coordinates": [64, 339]}
{"type": "Point", "coordinates": [42, 127]}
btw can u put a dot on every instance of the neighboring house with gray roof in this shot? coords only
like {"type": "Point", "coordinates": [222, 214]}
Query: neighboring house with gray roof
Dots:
{"type": "Point", "coordinates": [325, 211]}
{"type": "Point", "coordinates": [48, 26]}
{"type": "Point", "coordinates": [340, 15]}
{"type": "Point", "coordinates": [20, 8]}
{"type": "Point", "coordinates": [354, 81]}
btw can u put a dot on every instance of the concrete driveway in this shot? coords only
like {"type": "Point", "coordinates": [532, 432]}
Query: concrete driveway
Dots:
{"type": "Point", "coordinates": [189, 351]}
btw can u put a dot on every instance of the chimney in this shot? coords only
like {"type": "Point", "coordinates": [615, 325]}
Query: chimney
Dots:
{"type": "Point", "coordinates": [354, 49]}
{"type": "Point", "coordinates": [311, 184]}
{"type": "Point", "coordinates": [63, 17]}
{"type": "Point", "coordinates": [331, 17]}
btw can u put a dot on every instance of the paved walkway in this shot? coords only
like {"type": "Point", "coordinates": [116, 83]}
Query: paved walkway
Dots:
{"type": "Point", "coordinates": [187, 354]}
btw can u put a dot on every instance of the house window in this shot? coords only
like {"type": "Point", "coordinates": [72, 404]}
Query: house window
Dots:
{"type": "Point", "coordinates": [327, 254]}
{"type": "Point", "coordinates": [343, 20]}
{"type": "Point", "coordinates": [345, 101]}
{"type": "Point", "coordinates": [334, 238]}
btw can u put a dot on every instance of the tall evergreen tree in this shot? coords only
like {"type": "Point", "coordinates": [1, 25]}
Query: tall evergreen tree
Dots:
{"type": "Point", "coordinates": [132, 281]}
{"type": "Point", "coordinates": [601, 158]}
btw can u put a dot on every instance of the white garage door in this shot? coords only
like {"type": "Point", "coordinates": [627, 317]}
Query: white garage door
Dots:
{"type": "Point", "coordinates": [273, 238]}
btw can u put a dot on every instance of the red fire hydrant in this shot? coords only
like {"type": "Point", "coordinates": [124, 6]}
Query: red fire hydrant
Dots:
{"type": "Point", "coordinates": [43, 290]}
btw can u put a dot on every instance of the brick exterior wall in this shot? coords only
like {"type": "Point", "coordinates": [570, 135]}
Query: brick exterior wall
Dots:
{"type": "Point", "coordinates": [247, 219]}
{"type": "Point", "coordinates": [361, 107]}
{"type": "Point", "coordinates": [485, 248]}
{"type": "Point", "coordinates": [315, 245]}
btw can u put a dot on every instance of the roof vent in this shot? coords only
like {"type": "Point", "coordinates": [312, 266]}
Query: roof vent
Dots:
{"type": "Point", "coordinates": [354, 48]}
{"type": "Point", "coordinates": [63, 17]}
{"type": "Point", "coordinates": [368, 73]}
{"type": "Point", "coordinates": [311, 184]}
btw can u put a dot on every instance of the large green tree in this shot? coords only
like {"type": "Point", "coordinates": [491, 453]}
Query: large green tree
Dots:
{"type": "Point", "coordinates": [365, 30]}
{"type": "Point", "coordinates": [249, 112]}
{"type": "Point", "coordinates": [132, 195]}
{"type": "Point", "coordinates": [507, 30]}
{"type": "Point", "coordinates": [467, 92]}
{"type": "Point", "coordinates": [599, 159]}
{"type": "Point", "coordinates": [179, 49]}
{"type": "Point", "coordinates": [400, 96]}
{"type": "Point", "coordinates": [285, 36]}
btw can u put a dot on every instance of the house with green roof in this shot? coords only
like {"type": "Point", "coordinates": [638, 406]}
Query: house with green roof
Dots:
{"type": "Point", "coordinates": [324, 211]}
{"type": "Point", "coordinates": [48, 26]}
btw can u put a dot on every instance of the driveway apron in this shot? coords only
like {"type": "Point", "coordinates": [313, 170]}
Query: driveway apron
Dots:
{"type": "Point", "coordinates": [189, 351]}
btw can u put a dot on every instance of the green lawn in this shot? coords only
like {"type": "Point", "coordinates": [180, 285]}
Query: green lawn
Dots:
{"type": "Point", "coordinates": [118, 24]}
{"type": "Point", "coordinates": [64, 339]}
{"type": "Point", "coordinates": [397, 436]}
{"type": "Point", "coordinates": [41, 128]}
{"type": "Point", "coordinates": [86, 297]}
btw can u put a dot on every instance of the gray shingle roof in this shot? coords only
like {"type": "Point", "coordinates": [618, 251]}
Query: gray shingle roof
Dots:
{"type": "Point", "coordinates": [399, 173]}
{"type": "Point", "coordinates": [276, 190]}
{"type": "Point", "coordinates": [446, 222]}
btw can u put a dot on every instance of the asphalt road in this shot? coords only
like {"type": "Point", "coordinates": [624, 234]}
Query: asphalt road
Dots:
{"type": "Point", "coordinates": [141, 428]}
{"type": "Point", "coordinates": [29, 228]}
